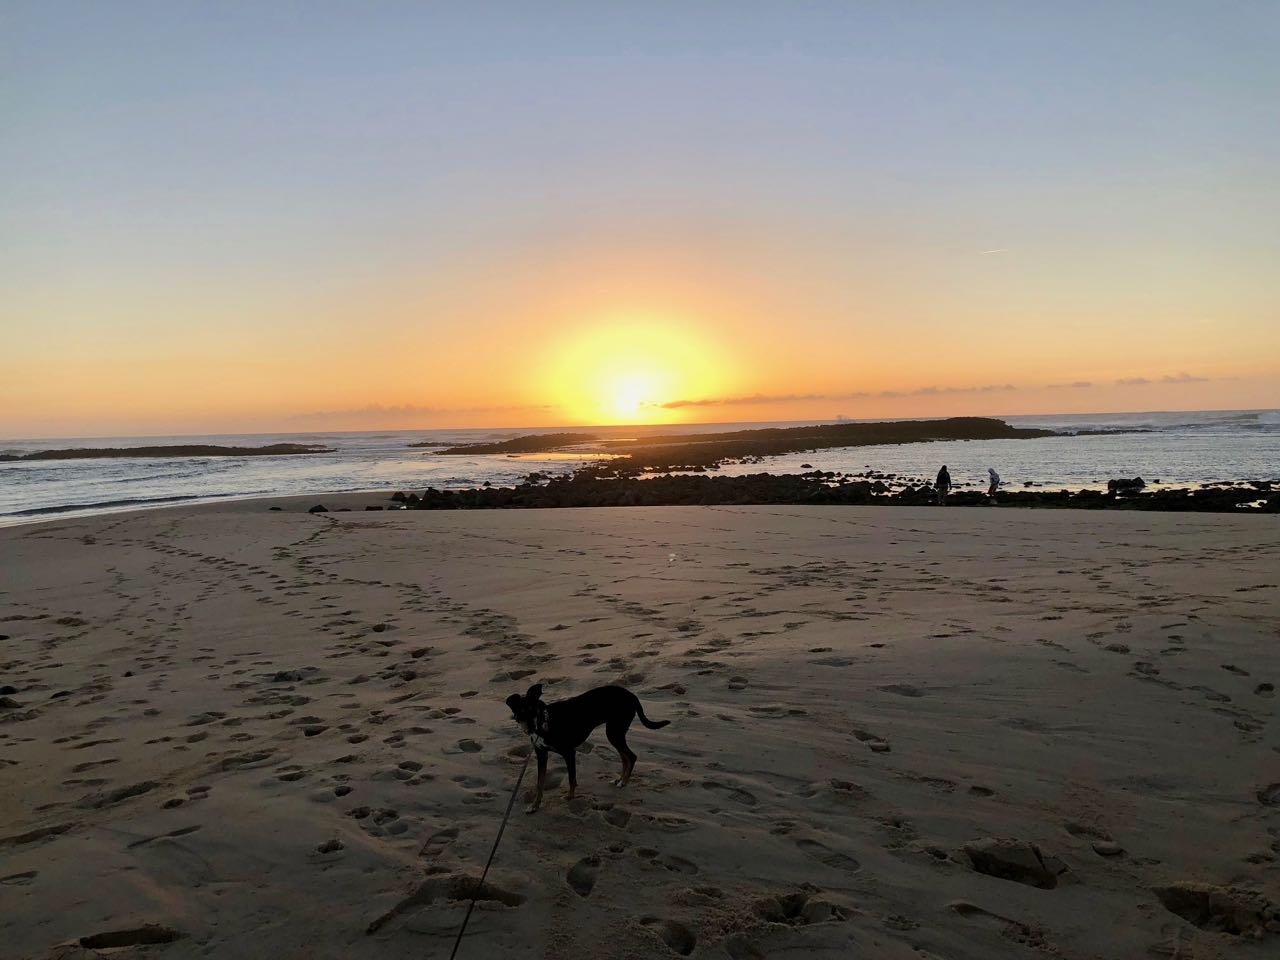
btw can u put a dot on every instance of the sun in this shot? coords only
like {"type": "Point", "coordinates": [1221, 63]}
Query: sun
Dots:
{"type": "Point", "coordinates": [632, 370]}
{"type": "Point", "coordinates": [633, 397]}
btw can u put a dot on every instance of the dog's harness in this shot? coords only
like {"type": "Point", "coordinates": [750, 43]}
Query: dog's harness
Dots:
{"type": "Point", "coordinates": [538, 729]}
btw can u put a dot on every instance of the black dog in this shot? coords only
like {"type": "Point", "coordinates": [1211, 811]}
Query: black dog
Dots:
{"type": "Point", "coordinates": [565, 725]}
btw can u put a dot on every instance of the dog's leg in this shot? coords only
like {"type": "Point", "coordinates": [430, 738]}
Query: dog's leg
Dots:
{"type": "Point", "coordinates": [617, 734]}
{"type": "Point", "coordinates": [572, 764]}
{"type": "Point", "coordinates": [542, 779]}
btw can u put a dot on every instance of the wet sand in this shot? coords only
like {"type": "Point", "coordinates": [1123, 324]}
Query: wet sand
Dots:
{"type": "Point", "coordinates": [898, 733]}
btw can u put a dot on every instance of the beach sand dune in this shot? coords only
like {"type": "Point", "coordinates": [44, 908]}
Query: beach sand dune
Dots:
{"type": "Point", "coordinates": [896, 733]}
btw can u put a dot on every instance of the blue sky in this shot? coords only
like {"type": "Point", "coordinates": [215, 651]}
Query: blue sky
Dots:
{"type": "Point", "coordinates": [172, 166]}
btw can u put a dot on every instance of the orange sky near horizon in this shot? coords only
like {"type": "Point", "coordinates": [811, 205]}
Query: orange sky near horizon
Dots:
{"type": "Point", "coordinates": [232, 219]}
{"type": "Point", "coordinates": [661, 335]}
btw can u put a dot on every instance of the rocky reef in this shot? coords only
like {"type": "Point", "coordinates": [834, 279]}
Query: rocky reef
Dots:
{"type": "Point", "coordinates": [536, 443]}
{"type": "Point", "coordinates": [184, 450]}
{"type": "Point", "coordinates": [705, 451]}
{"type": "Point", "coordinates": [587, 488]}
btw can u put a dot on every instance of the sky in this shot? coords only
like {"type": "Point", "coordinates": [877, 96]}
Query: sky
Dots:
{"type": "Point", "coordinates": [288, 216]}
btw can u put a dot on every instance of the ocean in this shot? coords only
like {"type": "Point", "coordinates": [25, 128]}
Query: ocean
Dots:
{"type": "Point", "coordinates": [1166, 449]}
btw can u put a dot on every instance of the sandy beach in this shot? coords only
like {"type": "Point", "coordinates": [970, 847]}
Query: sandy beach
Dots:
{"type": "Point", "coordinates": [896, 733]}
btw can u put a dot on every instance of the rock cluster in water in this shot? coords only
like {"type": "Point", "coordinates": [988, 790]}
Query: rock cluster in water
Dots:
{"type": "Point", "coordinates": [182, 450]}
{"type": "Point", "coordinates": [586, 488]}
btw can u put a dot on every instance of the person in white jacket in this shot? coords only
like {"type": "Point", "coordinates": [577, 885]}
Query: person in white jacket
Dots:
{"type": "Point", "coordinates": [995, 481]}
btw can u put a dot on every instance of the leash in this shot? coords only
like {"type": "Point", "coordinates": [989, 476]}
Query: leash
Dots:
{"type": "Point", "coordinates": [498, 839]}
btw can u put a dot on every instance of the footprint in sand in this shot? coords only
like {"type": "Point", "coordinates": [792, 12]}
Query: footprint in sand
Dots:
{"type": "Point", "coordinates": [876, 743]}
{"type": "Point", "coordinates": [1101, 841]}
{"type": "Point", "coordinates": [674, 934]}
{"type": "Point", "coordinates": [736, 794]}
{"type": "Point", "coordinates": [741, 947]}
{"type": "Point", "coordinates": [1013, 929]}
{"type": "Point", "coordinates": [89, 765]}
{"type": "Point", "coordinates": [437, 842]}
{"type": "Point", "coordinates": [1015, 860]}
{"type": "Point", "coordinates": [797, 909]}
{"type": "Point", "coordinates": [141, 936]}
{"type": "Point", "coordinates": [1231, 910]}
{"type": "Point", "coordinates": [902, 690]}
{"type": "Point", "coordinates": [617, 817]}
{"type": "Point", "coordinates": [582, 875]}
{"type": "Point", "coordinates": [824, 854]}
{"type": "Point", "coordinates": [673, 863]}
{"type": "Point", "coordinates": [172, 834]}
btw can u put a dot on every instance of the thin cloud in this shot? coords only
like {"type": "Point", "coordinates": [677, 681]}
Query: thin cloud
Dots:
{"type": "Point", "coordinates": [755, 398]}
{"type": "Point", "coordinates": [1183, 377]}
{"type": "Point", "coordinates": [1073, 385]}
{"type": "Point", "coordinates": [984, 253]}
{"type": "Point", "coordinates": [408, 411]}
{"type": "Point", "coordinates": [761, 398]}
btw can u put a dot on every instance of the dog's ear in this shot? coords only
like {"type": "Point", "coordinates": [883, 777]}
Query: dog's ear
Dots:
{"type": "Point", "coordinates": [514, 702]}
{"type": "Point", "coordinates": [535, 693]}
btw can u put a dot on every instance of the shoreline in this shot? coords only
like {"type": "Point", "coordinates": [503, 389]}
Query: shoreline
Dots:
{"type": "Point", "coordinates": [1215, 496]}
{"type": "Point", "coordinates": [373, 462]}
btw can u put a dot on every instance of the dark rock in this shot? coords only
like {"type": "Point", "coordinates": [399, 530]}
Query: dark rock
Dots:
{"type": "Point", "coordinates": [619, 486]}
{"type": "Point", "coordinates": [8, 689]}
{"type": "Point", "coordinates": [1123, 485]}
{"type": "Point", "coordinates": [399, 497]}
{"type": "Point", "coordinates": [185, 450]}
{"type": "Point", "coordinates": [373, 508]}
{"type": "Point", "coordinates": [8, 703]}
{"type": "Point", "coordinates": [286, 676]}
{"type": "Point", "coordinates": [276, 509]}
{"type": "Point", "coordinates": [319, 508]}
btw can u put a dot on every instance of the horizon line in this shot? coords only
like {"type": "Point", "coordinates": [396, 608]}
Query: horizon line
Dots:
{"type": "Point", "coordinates": [839, 418]}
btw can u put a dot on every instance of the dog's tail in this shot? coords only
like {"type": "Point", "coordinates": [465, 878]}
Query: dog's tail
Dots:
{"type": "Point", "coordinates": [651, 724]}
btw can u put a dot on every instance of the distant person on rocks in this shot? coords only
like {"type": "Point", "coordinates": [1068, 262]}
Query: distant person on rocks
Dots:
{"type": "Point", "coordinates": [943, 484]}
{"type": "Point", "coordinates": [995, 481]}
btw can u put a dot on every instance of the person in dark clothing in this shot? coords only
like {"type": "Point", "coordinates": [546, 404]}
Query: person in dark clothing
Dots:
{"type": "Point", "coordinates": [943, 484]}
